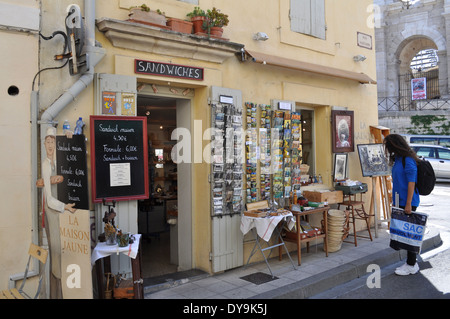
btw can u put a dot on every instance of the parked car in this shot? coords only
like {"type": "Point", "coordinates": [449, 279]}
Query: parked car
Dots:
{"type": "Point", "coordinates": [443, 140]}
{"type": "Point", "coordinates": [438, 156]}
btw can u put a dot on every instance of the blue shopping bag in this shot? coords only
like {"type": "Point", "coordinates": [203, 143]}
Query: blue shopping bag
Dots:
{"type": "Point", "coordinates": [407, 230]}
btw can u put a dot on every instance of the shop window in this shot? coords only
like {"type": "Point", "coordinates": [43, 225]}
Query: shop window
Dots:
{"type": "Point", "coordinates": [308, 17]}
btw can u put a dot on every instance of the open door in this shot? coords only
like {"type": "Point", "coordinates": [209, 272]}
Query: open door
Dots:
{"type": "Point", "coordinates": [116, 95]}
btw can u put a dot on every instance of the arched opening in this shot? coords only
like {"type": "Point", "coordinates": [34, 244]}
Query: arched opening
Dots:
{"type": "Point", "coordinates": [418, 72]}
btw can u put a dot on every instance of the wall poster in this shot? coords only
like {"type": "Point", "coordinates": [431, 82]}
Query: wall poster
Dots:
{"type": "Point", "coordinates": [342, 131]}
{"type": "Point", "coordinates": [419, 89]}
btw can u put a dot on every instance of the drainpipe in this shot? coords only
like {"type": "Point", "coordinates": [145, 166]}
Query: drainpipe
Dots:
{"type": "Point", "coordinates": [96, 54]}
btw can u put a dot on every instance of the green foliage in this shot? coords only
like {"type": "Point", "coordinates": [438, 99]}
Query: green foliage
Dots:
{"type": "Point", "coordinates": [216, 18]}
{"type": "Point", "coordinates": [197, 12]}
{"type": "Point", "coordinates": [145, 8]}
{"type": "Point", "coordinates": [423, 124]}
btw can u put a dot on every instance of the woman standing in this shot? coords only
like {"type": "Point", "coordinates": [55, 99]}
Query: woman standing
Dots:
{"type": "Point", "coordinates": [404, 177]}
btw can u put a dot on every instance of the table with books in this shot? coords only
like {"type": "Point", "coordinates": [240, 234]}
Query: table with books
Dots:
{"type": "Point", "coordinates": [304, 232]}
{"type": "Point", "coordinates": [265, 224]}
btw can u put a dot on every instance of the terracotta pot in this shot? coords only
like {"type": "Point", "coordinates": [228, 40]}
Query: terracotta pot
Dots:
{"type": "Point", "coordinates": [179, 25]}
{"type": "Point", "coordinates": [216, 32]}
{"type": "Point", "coordinates": [198, 24]}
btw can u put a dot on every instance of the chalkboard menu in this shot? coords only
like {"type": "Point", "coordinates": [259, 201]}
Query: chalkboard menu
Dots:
{"type": "Point", "coordinates": [119, 158]}
{"type": "Point", "coordinates": [71, 164]}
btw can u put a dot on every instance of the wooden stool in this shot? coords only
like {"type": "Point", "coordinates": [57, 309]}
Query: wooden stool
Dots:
{"type": "Point", "coordinates": [357, 211]}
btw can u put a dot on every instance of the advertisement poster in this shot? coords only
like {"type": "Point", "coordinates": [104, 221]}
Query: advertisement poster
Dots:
{"type": "Point", "coordinates": [419, 89]}
{"type": "Point", "coordinates": [128, 104]}
{"type": "Point", "coordinates": [109, 103]}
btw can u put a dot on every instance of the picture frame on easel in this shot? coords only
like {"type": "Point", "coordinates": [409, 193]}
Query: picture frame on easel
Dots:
{"type": "Point", "coordinates": [373, 160]}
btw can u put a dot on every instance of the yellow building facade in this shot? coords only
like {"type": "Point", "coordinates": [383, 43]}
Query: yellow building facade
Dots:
{"type": "Point", "coordinates": [273, 53]}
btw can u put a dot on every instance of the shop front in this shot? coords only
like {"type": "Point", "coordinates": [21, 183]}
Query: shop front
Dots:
{"type": "Point", "coordinates": [219, 127]}
{"type": "Point", "coordinates": [212, 150]}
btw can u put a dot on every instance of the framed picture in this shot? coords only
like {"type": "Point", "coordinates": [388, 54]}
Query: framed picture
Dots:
{"type": "Point", "coordinates": [343, 140]}
{"type": "Point", "coordinates": [340, 167]}
{"type": "Point", "coordinates": [373, 160]}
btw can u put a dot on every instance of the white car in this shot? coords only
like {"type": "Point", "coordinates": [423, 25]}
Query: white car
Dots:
{"type": "Point", "coordinates": [438, 156]}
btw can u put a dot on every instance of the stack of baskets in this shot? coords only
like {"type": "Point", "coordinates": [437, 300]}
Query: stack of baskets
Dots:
{"type": "Point", "coordinates": [337, 229]}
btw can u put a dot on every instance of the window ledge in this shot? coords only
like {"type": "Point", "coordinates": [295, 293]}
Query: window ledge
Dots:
{"type": "Point", "coordinates": [140, 37]}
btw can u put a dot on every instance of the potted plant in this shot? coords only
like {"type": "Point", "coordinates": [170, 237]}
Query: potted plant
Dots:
{"type": "Point", "coordinates": [143, 14]}
{"type": "Point", "coordinates": [215, 21]}
{"type": "Point", "coordinates": [197, 17]}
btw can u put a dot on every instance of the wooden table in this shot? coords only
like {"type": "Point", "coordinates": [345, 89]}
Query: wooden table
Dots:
{"type": "Point", "coordinates": [106, 268]}
{"type": "Point", "coordinates": [296, 236]}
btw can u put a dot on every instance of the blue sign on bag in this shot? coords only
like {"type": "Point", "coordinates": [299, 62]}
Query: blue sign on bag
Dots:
{"type": "Point", "coordinates": [408, 229]}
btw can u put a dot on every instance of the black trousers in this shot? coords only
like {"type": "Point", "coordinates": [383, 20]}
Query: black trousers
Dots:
{"type": "Point", "coordinates": [411, 257]}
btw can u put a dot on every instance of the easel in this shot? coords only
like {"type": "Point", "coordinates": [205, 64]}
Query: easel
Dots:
{"type": "Point", "coordinates": [384, 182]}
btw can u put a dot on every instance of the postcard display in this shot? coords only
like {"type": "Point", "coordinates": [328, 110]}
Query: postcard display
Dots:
{"type": "Point", "coordinates": [227, 160]}
{"type": "Point", "coordinates": [273, 154]}
{"type": "Point", "coordinates": [287, 154]}
{"type": "Point", "coordinates": [273, 151]}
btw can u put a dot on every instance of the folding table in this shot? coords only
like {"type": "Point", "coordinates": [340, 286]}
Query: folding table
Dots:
{"type": "Point", "coordinates": [265, 228]}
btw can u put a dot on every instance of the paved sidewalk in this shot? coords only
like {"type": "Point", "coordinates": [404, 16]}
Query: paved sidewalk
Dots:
{"type": "Point", "coordinates": [317, 273]}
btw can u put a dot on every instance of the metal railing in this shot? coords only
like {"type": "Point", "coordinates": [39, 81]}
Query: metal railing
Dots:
{"type": "Point", "coordinates": [394, 104]}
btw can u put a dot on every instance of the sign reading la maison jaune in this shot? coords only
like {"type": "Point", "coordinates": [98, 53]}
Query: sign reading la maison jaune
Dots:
{"type": "Point", "coordinates": [168, 69]}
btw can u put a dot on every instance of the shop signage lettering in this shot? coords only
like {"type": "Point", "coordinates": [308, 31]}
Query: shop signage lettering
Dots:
{"type": "Point", "coordinates": [170, 70]}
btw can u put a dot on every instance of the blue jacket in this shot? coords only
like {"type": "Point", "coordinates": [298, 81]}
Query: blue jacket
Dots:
{"type": "Point", "coordinates": [400, 179]}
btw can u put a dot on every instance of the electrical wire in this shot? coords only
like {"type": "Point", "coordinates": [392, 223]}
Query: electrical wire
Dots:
{"type": "Point", "coordinates": [66, 45]}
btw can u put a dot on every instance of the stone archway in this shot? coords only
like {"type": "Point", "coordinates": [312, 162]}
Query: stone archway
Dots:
{"type": "Point", "coordinates": [409, 49]}
{"type": "Point", "coordinates": [413, 40]}
{"type": "Point", "coordinates": [405, 53]}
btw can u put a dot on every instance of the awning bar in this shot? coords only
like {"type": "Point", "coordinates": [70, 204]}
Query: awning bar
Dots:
{"type": "Point", "coordinates": [308, 67]}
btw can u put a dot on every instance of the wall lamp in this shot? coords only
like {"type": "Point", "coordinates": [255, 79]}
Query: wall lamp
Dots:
{"type": "Point", "coordinates": [359, 58]}
{"type": "Point", "coordinates": [260, 36]}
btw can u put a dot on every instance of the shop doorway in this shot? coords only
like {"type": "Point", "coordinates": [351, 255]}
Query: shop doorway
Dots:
{"type": "Point", "coordinates": [308, 151]}
{"type": "Point", "coordinates": [159, 217]}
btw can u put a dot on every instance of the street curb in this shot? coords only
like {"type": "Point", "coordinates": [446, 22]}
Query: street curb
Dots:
{"type": "Point", "coordinates": [331, 278]}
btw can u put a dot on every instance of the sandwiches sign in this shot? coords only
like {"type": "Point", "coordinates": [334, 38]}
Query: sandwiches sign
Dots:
{"type": "Point", "coordinates": [169, 70]}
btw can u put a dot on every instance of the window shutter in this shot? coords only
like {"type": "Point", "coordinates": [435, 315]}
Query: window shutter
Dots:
{"type": "Point", "coordinates": [318, 18]}
{"type": "Point", "coordinates": [300, 16]}
{"type": "Point", "coordinates": [308, 17]}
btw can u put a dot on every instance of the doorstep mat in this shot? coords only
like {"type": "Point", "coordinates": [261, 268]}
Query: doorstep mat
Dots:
{"type": "Point", "coordinates": [259, 278]}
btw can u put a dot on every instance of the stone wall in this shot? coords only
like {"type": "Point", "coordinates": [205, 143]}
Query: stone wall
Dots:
{"type": "Point", "coordinates": [400, 122]}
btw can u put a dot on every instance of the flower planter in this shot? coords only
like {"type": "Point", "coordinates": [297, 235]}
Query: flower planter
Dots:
{"type": "Point", "coordinates": [148, 17]}
{"type": "Point", "coordinates": [179, 25]}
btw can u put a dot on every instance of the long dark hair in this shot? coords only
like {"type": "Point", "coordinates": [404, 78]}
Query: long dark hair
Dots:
{"type": "Point", "coordinates": [396, 146]}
